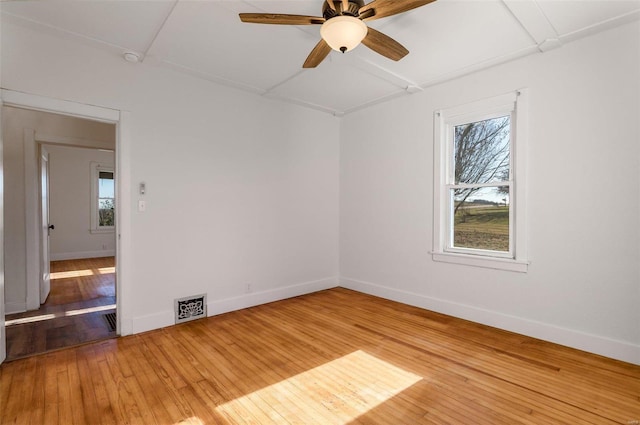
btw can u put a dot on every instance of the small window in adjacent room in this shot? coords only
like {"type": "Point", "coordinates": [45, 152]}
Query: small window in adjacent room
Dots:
{"type": "Point", "coordinates": [479, 193]}
{"type": "Point", "coordinates": [102, 198]}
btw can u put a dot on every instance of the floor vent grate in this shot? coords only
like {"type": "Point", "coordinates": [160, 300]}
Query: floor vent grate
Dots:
{"type": "Point", "coordinates": [190, 308]}
{"type": "Point", "coordinates": [111, 321]}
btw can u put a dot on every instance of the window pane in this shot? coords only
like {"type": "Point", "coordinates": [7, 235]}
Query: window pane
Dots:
{"type": "Point", "coordinates": [106, 190]}
{"type": "Point", "coordinates": [481, 218]}
{"type": "Point", "coordinates": [481, 151]}
{"type": "Point", "coordinates": [106, 212]}
{"type": "Point", "coordinates": [106, 186]}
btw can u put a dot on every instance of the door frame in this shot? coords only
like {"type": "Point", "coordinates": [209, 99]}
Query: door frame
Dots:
{"type": "Point", "coordinates": [123, 184]}
{"type": "Point", "coordinates": [3, 338]}
{"type": "Point", "coordinates": [33, 143]}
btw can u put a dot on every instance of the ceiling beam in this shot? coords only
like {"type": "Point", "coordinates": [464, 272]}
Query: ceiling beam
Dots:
{"type": "Point", "coordinates": [534, 22]}
{"type": "Point", "coordinates": [159, 30]}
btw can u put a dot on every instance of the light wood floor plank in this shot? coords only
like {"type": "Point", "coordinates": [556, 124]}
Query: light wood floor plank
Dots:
{"type": "Point", "coordinates": [78, 286]}
{"type": "Point", "coordinates": [333, 357]}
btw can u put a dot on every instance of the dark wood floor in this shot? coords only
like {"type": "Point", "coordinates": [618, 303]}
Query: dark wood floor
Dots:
{"type": "Point", "coordinates": [332, 357]}
{"type": "Point", "coordinates": [82, 292]}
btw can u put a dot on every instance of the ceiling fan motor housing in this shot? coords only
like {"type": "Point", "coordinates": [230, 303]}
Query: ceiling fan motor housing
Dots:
{"type": "Point", "coordinates": [352, 10]}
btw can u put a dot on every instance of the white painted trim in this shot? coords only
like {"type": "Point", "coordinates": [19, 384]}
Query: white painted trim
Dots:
{"type": "Point", "coordinates": [520, 149]}
{"type": "Point", "coordinates": [123, 143]}
{"type": "Point", "coordinates": [264, 297]}
{"type": "Point", "coordinates": [124, 264]}
{"type": "Point", "coordinates": [59, 106]}
{"type": "Point", "coordinates": [150, 322]}
{"type": "Point", "coordinates": [516, 104]}
{"type": "Point", "coordinates": [532, 19]}
{"type": "Point", "coordinates": [82, 254]}
{"type": "Point", "coordinates": [32, 219]}
{"type": "Point", "coordinates": [73, 141]}
{"type": "Point", "coordinates": [166, 318]}
{"type": "Point", "coordinates": [3, 339]}
{"type": "Point", "coordinates": [12, 307]}
{"type": "Point", "coordinates": [449, 76]}
{"type": "Point", "coordinates": [486, 262]}
{"type": "Point", "coordinates": [620, 350]}
{"type": "Point", "coordinates": [96, 168]}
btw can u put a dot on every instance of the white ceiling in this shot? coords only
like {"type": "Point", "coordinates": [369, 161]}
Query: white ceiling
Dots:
{"type": "Point", "coordinates": [446, 39]}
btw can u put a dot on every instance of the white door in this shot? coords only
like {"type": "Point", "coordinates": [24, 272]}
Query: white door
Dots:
{"type": "Point", "coordinates": [46, 226]}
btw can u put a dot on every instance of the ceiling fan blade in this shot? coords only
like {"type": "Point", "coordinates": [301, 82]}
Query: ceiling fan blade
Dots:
{"type": "Point", "coordinates": [384, 45]}
{"type": "Point", "coordinates": [317, 55]}
{"type": "Point", "coordinates": [280, 19]}
{"type": "Point", "coordinates": [384, 8]}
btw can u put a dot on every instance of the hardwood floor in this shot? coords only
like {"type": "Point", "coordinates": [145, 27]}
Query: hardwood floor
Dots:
{"type": "Point", "coordinates": [82, 292]}
{"type": "Point", "coordinates": [333, 357]}
{"type": "Point", "coordinates": [87, 279]}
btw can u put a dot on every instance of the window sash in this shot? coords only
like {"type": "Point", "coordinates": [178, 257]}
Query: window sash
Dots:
{"type": "Point", "coordinates": [100, 172]}
{"type": "Point", "coordinates": [450, 224]}
{"type": "Point", "coordinates": [450, 184]}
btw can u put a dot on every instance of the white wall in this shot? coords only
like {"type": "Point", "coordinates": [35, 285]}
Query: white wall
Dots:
{"type": "Point", "coordinates": [240, 189]}
{"type": "Point", "coordinates": [70, 203]}
{"type": "Point", "coordinates": [54, 127]}
{"type": "Point", "coordinates": [243, 190]}
{"type": "Point", "coordinates": [582, 288]}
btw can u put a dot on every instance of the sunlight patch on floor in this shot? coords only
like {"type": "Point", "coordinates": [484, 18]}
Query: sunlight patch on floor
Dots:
{"type": "Point", "coordinates": [335, 393]}
{"type": "Point", "coordinates": [106, 270]}
{"type": "Point", "coordinates": [80, 273]}
{"type": "Point", "coordinates": [89, 310]}
{"type": "Point", "coordinates": [50, 316]}
{"type": "Point", "coordinates": [71, 273]}
{"type": "Point", "coordinates": [194, 420]}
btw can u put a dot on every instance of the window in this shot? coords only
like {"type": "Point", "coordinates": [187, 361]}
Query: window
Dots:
{"type": "Point", "coordinates": [479, 183]}
{"type": "Point", "coordinates": [102, 198]}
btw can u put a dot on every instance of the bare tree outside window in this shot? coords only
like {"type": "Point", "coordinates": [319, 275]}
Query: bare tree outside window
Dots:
{"type": "Point", "coordinates": [481, 187]}
{"type": "Point", "coordinates": [106, 216]}
{"type": "Point", "coordinates": [106, 199]}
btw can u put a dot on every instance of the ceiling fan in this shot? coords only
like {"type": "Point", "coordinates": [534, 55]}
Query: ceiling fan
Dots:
{"type": "Point", "coordinates": [343, 26]}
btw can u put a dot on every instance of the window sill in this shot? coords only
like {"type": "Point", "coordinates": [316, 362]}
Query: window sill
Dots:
{"type": "Point", "coordinates": [99, 231]}
{"type": "Point", "coordinates": [482, 261]}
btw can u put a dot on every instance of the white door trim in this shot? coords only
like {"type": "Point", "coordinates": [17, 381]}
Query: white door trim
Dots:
{"type": "Point", "coordinates": [3, 339]}
{"type": "Point", "coordinates": [32, 219]}
{"type": "Point", "coordinates": [64, 107]}
{"type": "Point", "coordinates": [123, 182]}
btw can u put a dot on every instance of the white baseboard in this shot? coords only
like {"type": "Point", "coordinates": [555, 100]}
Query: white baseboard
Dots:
{"type": "Point", "coordinates": [82, 254]}
{"type": "Point", "coordinates": [215, 307]}
{"type": "Point", "coordinates": [604, 346]}
{"type": "Point", "coordinates": [11, 307]}
{"type": "Point", "coordinates": [152, 321]}
{"type": "Point", "coordinates": [263, 297]}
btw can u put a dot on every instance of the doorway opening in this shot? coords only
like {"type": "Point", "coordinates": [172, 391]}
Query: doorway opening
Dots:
{"type": "Point", "coordinates": [60, 289]}
{"type": "Point", "coordinates": [80, 308]}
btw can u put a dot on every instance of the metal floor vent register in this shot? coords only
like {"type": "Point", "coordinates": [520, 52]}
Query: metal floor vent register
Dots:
{"type": "Point", "coordinates": [111, 321]}
{"type": "Point", "coordinates": [190, 308]}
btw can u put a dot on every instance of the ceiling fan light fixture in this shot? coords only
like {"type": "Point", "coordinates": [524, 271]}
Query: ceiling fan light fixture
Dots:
{"type": "Point", "coordinates": [343, 33]}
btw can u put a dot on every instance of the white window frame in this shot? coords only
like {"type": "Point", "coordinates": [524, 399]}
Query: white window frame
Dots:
{"type": "Point", "coordinates": [96, 169]}
{"type": "Point", "coordinates": [514, 104]}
